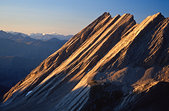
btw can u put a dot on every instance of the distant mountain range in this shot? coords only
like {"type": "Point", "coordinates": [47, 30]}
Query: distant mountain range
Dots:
{"type": "Point", "coordinates": [42, 36]}
{"type": "Point", "coordinates": [19, 54]}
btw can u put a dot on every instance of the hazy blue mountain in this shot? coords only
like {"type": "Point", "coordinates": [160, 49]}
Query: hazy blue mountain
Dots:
{"type": "Point", "coordinates": [19, 54]}
{"type": "Point", "coordinates": [16, 36]}
{"type": "Point", "coordinates": [13, 68]}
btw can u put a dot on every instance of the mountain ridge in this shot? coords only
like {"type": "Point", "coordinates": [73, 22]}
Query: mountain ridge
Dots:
{"type": "Point", "coordinates": [111, 52]}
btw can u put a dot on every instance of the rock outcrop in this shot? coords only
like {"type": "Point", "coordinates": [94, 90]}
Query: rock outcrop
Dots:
{"type": "Point", "coordinates": [113, 60]}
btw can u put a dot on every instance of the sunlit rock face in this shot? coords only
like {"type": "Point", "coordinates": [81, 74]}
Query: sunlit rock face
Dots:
{"type": "Point", "coordinates": [112, 64]}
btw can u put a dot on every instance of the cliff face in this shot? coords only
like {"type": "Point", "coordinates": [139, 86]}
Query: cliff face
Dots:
{"type": "Point", "coordinates": [112, 59]}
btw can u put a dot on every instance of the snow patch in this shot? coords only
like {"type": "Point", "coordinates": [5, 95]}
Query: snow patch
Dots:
{"type": "Point", "coordinates": [28, 93]}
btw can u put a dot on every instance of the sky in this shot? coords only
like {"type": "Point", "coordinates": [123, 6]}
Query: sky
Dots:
{"type": "Point", "coordinates": [70, 16]}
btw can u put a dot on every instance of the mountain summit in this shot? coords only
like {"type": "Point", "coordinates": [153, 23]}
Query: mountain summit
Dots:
{"type": "Point", "coordinates": [112, 64]}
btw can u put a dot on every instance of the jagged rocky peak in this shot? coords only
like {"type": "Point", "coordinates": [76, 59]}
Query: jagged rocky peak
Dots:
{"type": "Point", "coordinates": [112, 59]}
{"type": "Point", "coordinates": [106, 14]}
